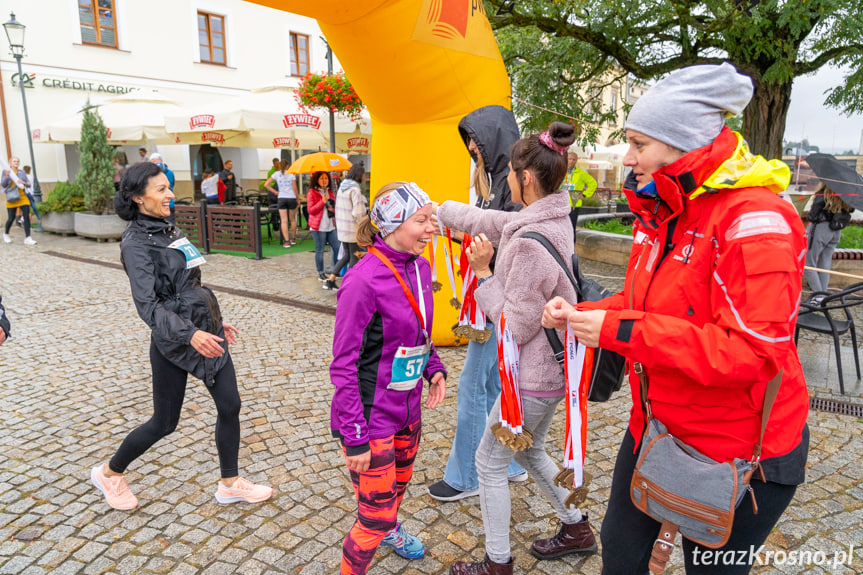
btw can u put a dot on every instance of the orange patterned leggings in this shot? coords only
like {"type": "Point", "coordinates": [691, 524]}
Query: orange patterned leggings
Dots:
{"type": "Point", "coordinates": [379, 493]}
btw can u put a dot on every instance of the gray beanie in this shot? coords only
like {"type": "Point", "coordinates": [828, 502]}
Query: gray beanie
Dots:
{"type": "Point", "coordinates": [687, 108]}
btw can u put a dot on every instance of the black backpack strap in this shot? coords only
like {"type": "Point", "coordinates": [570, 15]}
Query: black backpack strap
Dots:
{"type": "Point", "coordinates": [554, 253]}
{"type": "Point", "coordinates": [550, 334]}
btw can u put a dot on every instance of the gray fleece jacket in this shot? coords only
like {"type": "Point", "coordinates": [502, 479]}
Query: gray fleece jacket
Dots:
{"type": "Point", "coordinates": [526, 277]}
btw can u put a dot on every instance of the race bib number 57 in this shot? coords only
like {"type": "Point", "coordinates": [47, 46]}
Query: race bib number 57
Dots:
{"type": "Point", "coordinates": [408, 366]}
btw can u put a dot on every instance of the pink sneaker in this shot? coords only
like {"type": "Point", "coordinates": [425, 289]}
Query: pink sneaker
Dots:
{"type": "Point", "coordinates": [243, 491]}
{"type": "Point", "coordinates": [116, 491]}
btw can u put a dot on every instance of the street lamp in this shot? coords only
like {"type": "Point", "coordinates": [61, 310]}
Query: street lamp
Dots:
{"type": "Point", "coordinates": [15, 34]}
{"type": "Point", "coordinates": [332, 115]}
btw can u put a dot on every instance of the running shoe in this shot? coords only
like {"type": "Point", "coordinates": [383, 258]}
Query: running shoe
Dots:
{"type": "Point", "coordinates": [406, 545]}
{"type": "Point", "coordinates": [7, 238]}
{"type": "Point", "coordinates": [330, 285]}
{"type": "Point", "coordinates": [322, 276]}
{"type": "Point", "coordinates": [286, 245]}
{"type": "Point", "coordinates": [115, 488]}
{"type": "Point", "coordinates": [443, 491]}
{"type": "Point", "coordinates": [28, 241]}
{"type": "Point", "coordinates": [243, 491]}
{"type": "Point", "coordinates": [518, 478]}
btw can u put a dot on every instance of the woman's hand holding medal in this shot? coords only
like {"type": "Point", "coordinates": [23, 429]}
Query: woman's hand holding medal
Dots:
{"type": "Point", "coordinates": [479, 254]}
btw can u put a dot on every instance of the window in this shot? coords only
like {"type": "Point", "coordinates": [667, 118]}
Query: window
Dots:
{"type": "Point", "coordinates": [299, 54]}
{"type": "Point", "coordinates": [98, 22]}
{"type": "Point", "coordinates": [613, 119]}
{"type": "Point", "coordinates": [595, 104]}
{"type": "Point", "coordinates": [211, 38]}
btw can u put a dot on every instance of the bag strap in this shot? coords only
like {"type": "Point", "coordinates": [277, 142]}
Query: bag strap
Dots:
{"type": "Point", "coordinates": [770, 394]}
{"type": "Point", "coordinates": [556, 255]}
{"type": "Point", "coordinates": [550, 334]}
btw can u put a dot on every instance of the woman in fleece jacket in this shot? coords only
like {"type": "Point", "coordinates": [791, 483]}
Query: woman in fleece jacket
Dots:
{"type": "Point", "coordinates": [525, 276]}
{"type": "Point", "coordinates": [381, 353]}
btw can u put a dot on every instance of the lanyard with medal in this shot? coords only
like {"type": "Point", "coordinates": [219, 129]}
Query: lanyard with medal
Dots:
{"type": "Point", "coordinates": [409, 361]}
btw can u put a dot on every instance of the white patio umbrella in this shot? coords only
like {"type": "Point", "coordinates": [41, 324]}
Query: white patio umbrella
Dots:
{"type": "Point", "coordinates": [268, 117]}
{"type": "Point", "coordinates": [133, 118]}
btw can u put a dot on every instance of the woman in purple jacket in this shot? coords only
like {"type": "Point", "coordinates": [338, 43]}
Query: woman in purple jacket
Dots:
{"type": "Point", "coordinates": [381, 353]}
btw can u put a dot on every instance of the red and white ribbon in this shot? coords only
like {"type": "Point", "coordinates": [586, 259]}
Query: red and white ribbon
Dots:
{"type": "Point", "coordinates": [578, 367]}
{"type": "Point", "coordinates": [447, 248]}
{"type": "Point", "coordinates": [470, 314]}
{"type": "Point", "coordinates": [511, 411]}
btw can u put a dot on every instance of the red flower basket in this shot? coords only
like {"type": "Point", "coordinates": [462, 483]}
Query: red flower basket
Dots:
{"type": "Point", "coordinates": [331, 91]}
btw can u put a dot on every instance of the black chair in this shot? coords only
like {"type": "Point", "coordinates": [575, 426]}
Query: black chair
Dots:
{"type": "Point", "coordinates": [818, 317]}
{"type": "Point", "coordinates": [270, 216]}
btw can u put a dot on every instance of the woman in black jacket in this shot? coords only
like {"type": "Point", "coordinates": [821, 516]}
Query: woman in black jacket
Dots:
{"type": "Point", "coordinates": [188, 336]}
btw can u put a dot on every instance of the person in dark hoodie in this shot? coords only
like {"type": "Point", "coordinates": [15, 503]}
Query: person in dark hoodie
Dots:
{"type": "Point", "coordinates": [488, 134]}
{"type": "Point", "coordinates": [188, 336]}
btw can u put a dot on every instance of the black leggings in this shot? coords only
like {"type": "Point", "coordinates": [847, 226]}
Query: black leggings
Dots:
{"type": "Point", "coordinates": [169, 389]}
{"type": "Point", "coordinates": [628, 535]}
{"type": "Point", "coordinates": [349, 258]}
{"type": "Point", "coordinates": [25, 212]}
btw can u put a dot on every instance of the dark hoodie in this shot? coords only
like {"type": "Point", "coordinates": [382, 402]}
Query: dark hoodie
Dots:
{"type": "Point", "coordinates": [494, 131]}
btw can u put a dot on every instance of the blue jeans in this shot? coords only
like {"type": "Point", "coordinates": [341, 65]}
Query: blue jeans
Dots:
{"type": "Point", "coordinates": [478, 388]}
{"type": "Point", "coordinates": [321, 239]}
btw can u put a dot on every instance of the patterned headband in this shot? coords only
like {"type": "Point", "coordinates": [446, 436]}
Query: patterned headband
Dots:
{"type": "Point", "coordinates": [546, 139]}
{"type": "Point", "coordinates": [397, 206]}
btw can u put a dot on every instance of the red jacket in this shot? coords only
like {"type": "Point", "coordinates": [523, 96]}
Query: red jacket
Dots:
{"type": "Point", "coordinates": [712, 321]}
{"type": "Point", "coordinates": [317, 208]}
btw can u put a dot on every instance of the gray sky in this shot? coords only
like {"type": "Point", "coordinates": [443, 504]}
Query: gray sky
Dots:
{"type": "Point", "coordinates": [809, 118]}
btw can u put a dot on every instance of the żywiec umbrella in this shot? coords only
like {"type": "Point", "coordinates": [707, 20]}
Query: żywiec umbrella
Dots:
{"type": "Point", "coordinates": [319, 162]}
{"type": "Point", "coordinates": [268, 117]}
{"type": "Point", "coordinates": [839, 177]}
{"type": "Point", "coordinates": [134, 118]}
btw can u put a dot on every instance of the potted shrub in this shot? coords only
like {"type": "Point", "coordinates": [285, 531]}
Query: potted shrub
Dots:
{"type": "Point", "coordinates": [96, 179]}
{"type": "Point", "coordinates": [621, 205]}
{"type": "Point", "coordinates": [58, 209]}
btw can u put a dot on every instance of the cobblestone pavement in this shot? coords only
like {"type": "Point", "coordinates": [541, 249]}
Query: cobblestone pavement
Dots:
{"type": "Point", "coordinates": [75, 379]}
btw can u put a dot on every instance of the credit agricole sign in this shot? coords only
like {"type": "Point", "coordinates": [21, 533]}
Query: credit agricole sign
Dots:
{"type": "Point", "coordinates": [30, 81]}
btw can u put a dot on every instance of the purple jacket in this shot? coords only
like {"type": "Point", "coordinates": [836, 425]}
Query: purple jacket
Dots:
{"type": "Point", "coordinates": [374, 318]}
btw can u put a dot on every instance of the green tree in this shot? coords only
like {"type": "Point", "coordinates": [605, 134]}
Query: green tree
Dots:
{"type": "Point", "coordinates": [96, 177]}
{"type": "Point", "coordinates": [551, 46]}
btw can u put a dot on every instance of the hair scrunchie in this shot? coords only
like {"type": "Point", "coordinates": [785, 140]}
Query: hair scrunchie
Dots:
{"type": "Point", "coordinates": [547, 140]}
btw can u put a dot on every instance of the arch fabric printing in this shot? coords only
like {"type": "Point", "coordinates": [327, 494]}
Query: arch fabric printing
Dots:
{"type": "Point", "coordinates": [419, 66]}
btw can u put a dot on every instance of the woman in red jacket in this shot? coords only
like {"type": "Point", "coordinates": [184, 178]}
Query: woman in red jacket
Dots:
{"type": "Point", "coordinates": [321, 202]}
{"type": "Point", "coordinates": [708, 309]}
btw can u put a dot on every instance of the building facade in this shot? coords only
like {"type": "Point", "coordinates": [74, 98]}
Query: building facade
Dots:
{"type": "Point", "coordinates": [190, 51]}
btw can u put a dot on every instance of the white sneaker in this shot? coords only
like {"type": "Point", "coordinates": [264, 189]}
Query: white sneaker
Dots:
{"type": "Point", "coordinates": [7, 239]}
{"type": "Point", "coordinates": [28, 241]}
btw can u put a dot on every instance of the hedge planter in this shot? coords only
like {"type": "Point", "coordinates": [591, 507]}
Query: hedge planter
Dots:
{"type": "Point", "coordinates": [104, 227]}
{"type": "Point", "coordinates": [59, 223]}
{"type": "Point", "coordinates": [592, 210]}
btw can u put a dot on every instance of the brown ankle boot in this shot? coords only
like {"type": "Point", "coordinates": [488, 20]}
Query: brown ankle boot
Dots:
{"type": "Point", "coordinates": [486, 567]}
{"type": "Point", "coordinates": [571, 538]}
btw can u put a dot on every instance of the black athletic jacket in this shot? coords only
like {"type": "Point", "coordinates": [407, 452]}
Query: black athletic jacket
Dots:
{"type": "Point", "coordinates": [170, 298]}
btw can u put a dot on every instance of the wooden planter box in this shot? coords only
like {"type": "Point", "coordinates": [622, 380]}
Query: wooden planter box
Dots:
{"type": "Point", "coordinates": [99, 227]}
{"type": "Point", "coordinates": [59, 223]}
